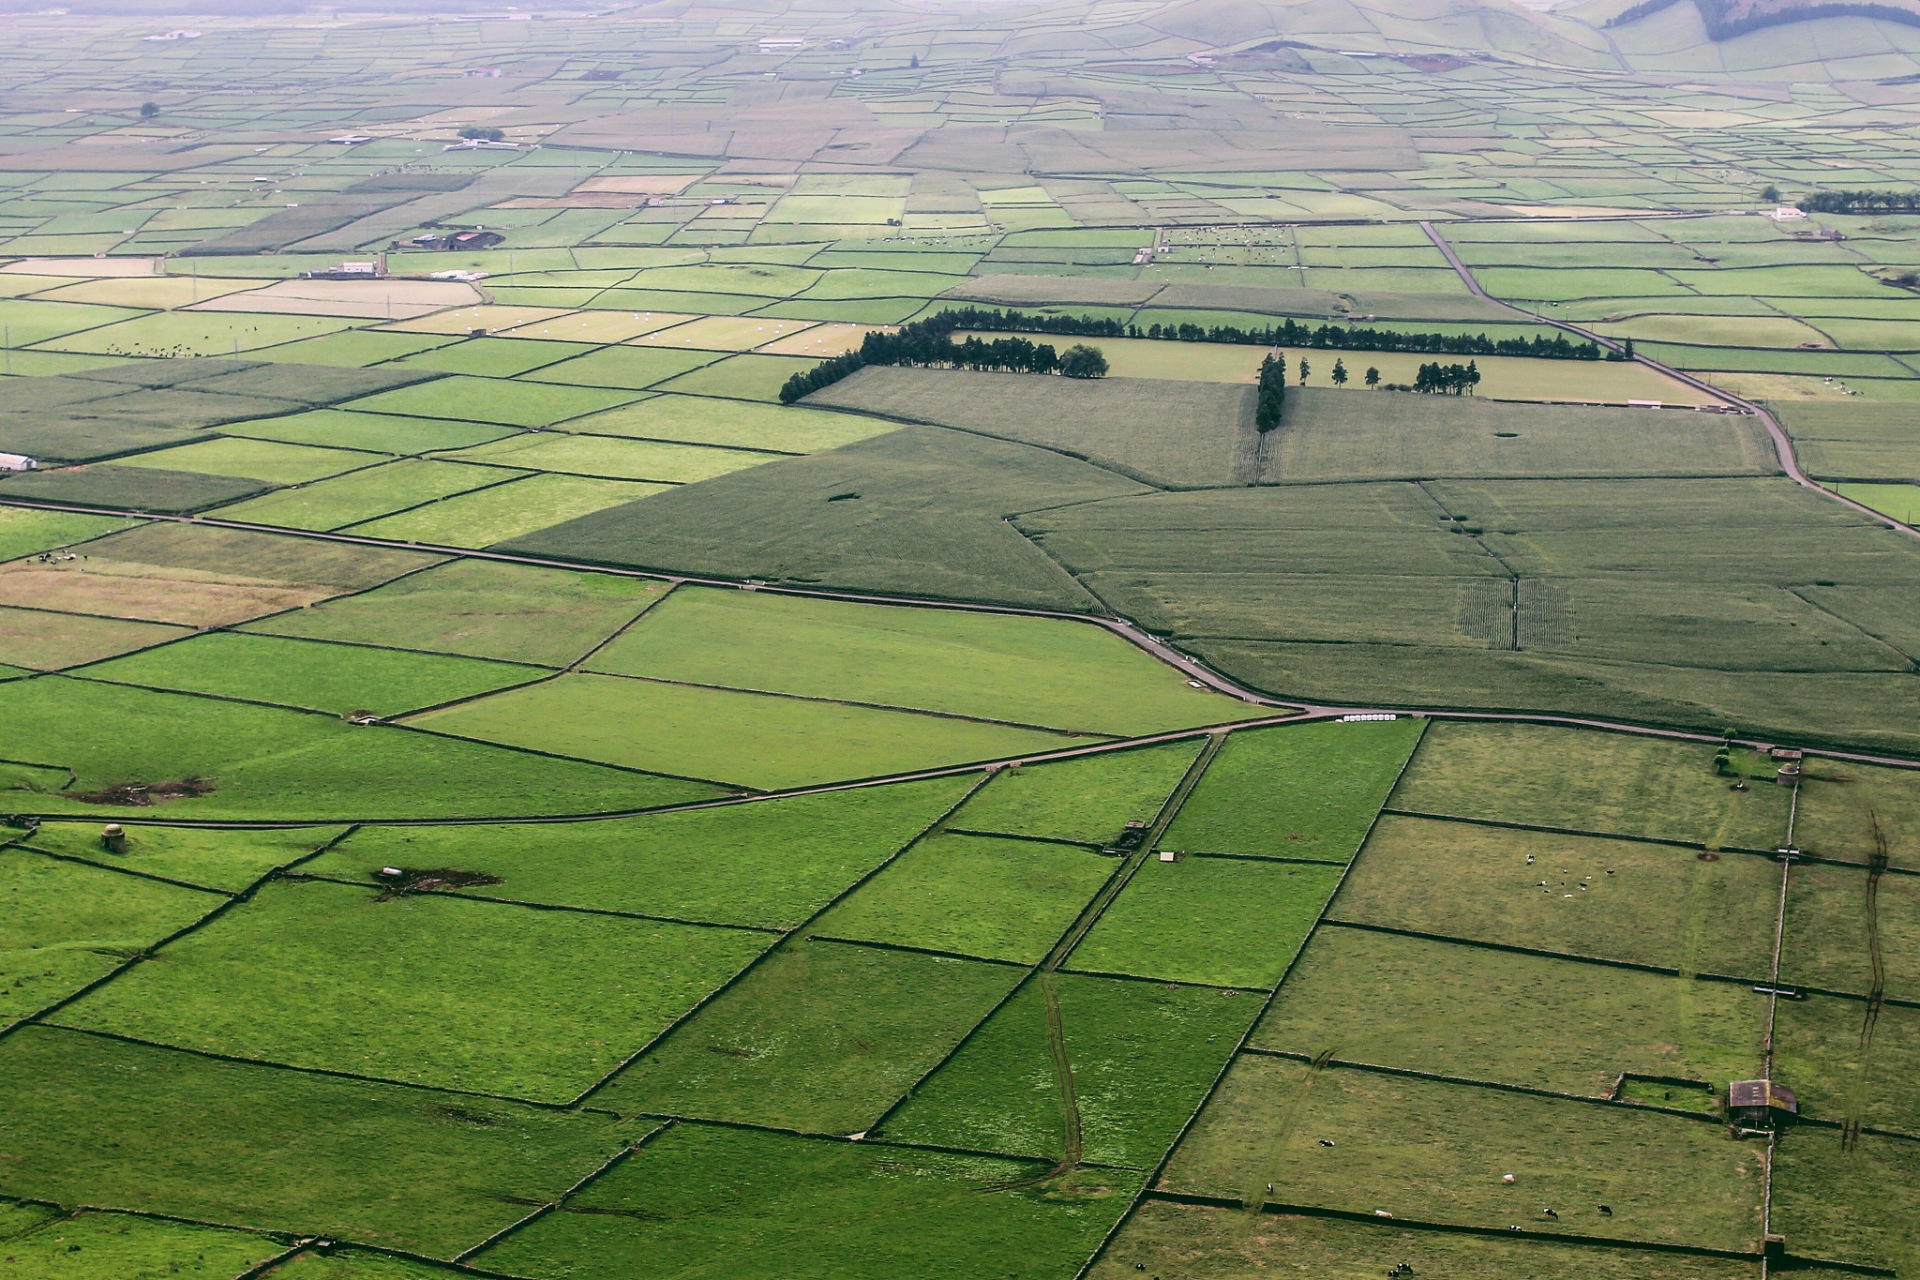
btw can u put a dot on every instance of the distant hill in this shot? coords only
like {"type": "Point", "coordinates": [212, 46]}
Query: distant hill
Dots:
{"type": "Point", "coordinates": [1726, 19]}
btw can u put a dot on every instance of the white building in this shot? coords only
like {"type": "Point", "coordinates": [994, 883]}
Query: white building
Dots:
{"type": "Point", "coordinates": [17, 462]}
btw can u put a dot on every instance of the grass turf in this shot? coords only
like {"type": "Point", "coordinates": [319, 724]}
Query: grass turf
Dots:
{"type": "Point", "coordinates": [820, 1037]}
{"type": "Point", "coordinates": [89, 1119]}
{"type": "Point", "coordinates": [216, 859]}
{"type": "Point", "coordinates": [1301, 791]}
{"type": "Point", "coordinates": [424, 988]}
{"type": "Point", "coordinates": [506, 511]}
{"type": "Point", "coordinates": [1142, 1055]}
{"type": "Point", "coordinates": [1080, 799]}
{"type": "Point", "coordinates": [770, 863]}
{"type": "Point", "coordinates": [1649, 904]}
{"type": "Point", "coordinates": [49, 1245]}
{"type": "Point", "coordinates": [315, 675]}
{"type": "Point", "coordinates": [744, 738]}
{"type": "Point", "coordinates": [1228, 921]}
{"type": "Point", "coordinates": [977, 895]}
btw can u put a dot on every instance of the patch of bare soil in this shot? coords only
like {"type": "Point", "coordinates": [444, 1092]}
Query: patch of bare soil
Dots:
{"type": "Point", "coordinates": [148, 793]}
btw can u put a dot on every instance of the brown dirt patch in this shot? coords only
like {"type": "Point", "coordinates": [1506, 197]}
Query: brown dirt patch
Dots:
{"type": "Point", "coordinates": [145, 594]}
{"type": "Point", "coordinates": [147, 793]}
{"type": "Point", "coordinates": [429, 880]}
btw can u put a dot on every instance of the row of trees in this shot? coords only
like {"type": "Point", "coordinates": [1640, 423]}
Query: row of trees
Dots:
{"type": "Point", "coordinates": [1287, 333]}
{"type": "Point", "coordinates": [1272, 393]}
{"type": "Point", "coordinates": [1452, 379]}
{"type": "Point", "coordinates": [929, 343]}
{"type": "Point", "coordinates": [1862, 202]}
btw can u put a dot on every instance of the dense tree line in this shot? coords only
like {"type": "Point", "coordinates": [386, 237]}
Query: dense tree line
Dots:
{"type": "Point", "coordinates": [1287, 333]}
{"type": "Point", "coordinates": [1450, 379]}
{"type": "Point", "coordinates": [929, 343]}
{"type": "Point", "coordinates": [1272, 393]}
{"type": "Point", "coordinates": [1862, 202]}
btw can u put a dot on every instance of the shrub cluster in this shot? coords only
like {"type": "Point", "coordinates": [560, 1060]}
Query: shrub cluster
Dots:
{"type": "Point", "coordinates": [1448, 379]}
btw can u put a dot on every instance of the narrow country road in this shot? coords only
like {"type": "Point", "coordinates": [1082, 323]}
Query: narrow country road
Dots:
{"type": "Point", "coordinates": [1782, 442]}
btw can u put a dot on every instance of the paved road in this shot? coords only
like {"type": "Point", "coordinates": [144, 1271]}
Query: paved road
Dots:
{"type": "Point", "coordinates": [1782, 442]}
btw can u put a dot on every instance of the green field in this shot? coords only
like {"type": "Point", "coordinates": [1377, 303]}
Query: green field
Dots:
{"type": "Point", "coordinates": [1080, 799]}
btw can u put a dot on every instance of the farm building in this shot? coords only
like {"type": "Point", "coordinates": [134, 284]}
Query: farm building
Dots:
{"type": "Point", "coordinates": [1759, 1104]}
{"type": "Point", "coordinates": [17, 462]}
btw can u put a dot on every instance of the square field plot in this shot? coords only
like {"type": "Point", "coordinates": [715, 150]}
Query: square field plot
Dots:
{"type": "Point", "coordinates": [1306, 791]}
{"type": "Point", "coordinates": [24, 532]}
{"type": "Point", "coordinates": [464, 320]}
{"type": "Point", "coordinates": [137, 488]}
{"type": "Point", "coordinates": [215, 859]}
{"type": "Point", "coordinates": [699, 1199]}
{"type": "Point", "coordinates": [45, 641]}
{"type": "Point", "coordinates": [1203, 1243]}
{"type": "Point", "coordinates": [1089, 800]}
{"type": "Point", "coordinates": [118, 1244]}
{"type": "Point", "coordinates": [613, 458]}
{"type": "Point", "coordinates": [1142, 1055]}
{"type": "Point", "coordinates": [1588, 781]}
{"type": "Point", "coordinates": [1667, 1179]}
{"type": "Point", "coordinates": [1857, 1205]}
{"type": "Point", "coordinates": [1837, 917]}
{"type": "Point", "coordinates": [725, 333]}
{"type": "Point", "coordinates": [768, 864]}
{"type": "Point", "coordinates": [743, 738]}
{"type": "Point", "coordinates": [1233, 922]}
{"type": "Point", "coordinates": [87, 1118]}
{"type": "Point", "coordinates": [740, 424]}
{"type": "Point", "coordinates": [1651, 904]}
{"type": "Point", "coordinates": [1841, 803]}
{"type": "Point", "coordinates": [747, 377]}
{"type": "Point", "coordinates": [632, 368]}
{"type": "Point", "coordinates": [483, 609]}
{"type": "Point", "coordinates": [313, 675]}
{"type": "Point", "coordinates": [1845, 1061]}
{"type": "Point", "coordinates": [496, 400]}
{"type": "Point", "coordinates": [821, 1037]}
{"type": "Point", "coordinates": [423, 988]}
{"type": "Point", "coordinates": [498, 513]}
{"type": "Point", "coordinates": [974, 895]}
{"type": "Point", "coordinates": [495, 357]}
{"type": "Point", "coordinates": [67, 924]}
{"type": "Point", "coordinates": [1458, 1010]}
{"type": "Point", "coordinates": [372, 432]}
{"type": "Point", "coordinates": [596, 326]}
{"type": "Point", "coordinates": [1030, 671]}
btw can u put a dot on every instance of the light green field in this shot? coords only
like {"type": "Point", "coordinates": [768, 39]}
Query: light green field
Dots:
{"type": "Point", "coordinates": [738, 423]}
{"type": "Point", "coordinates": [1029, 671]}
{"type": "Point", "coordinates": [365, 494]}
{"type": "Point", "coordinates": [506, 511]}
{"type": "Point", "coordinates": [265, 460]}
{"type": "Point", "coordinates": [196, 333]}
{"type": "Point", "coordinates": [612, 458]}
{"type": "Point", "coordinates": [1901, 501]}
{"type": "Point", "coordinates": [746, 739]}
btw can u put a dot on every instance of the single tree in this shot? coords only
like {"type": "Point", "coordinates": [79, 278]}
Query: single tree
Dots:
{"type": "Point", "coordinates": [1473, 375]}
{"type": "Point", "coordinates": [1305, 369]}
{"type": "Point", "coordinates": [914, 61]}
{"type": "Point", "coordinates": [1373, 378]}
{"type": "Point", "coordinates": [1339, 373]}
{"type": "Point", "coordinates": [148, 110]}
{"type": "Point", "coordinates": [1770, 194]}
{"type": "Point", "coordinates": [1083, 361]}
{"type": "Point", "coordinates": [1629, 348]}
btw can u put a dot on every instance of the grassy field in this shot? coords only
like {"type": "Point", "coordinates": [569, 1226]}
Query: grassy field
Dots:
{"type": "Point", "coordinates": [821, 1037]}
{"type": "Point", "coordinates": [1080, 799]}
{"type": "Point", "coordinates": [700, 1198]}
{"type": "Point", "coordinates": [1857, 1204]}
{"type": "Point", "coordinates": [43, 1242]}
{"type": "Point", "coordinates": [746, 739]}
{"type": "Point", "coordinates": [1826, 943]}
{"type": "Point", "coordinates": [313, 675]}
{"type": "Point", "coordinates": [24, 532]}
{"type": "Point", "coordinates": [734, 423]}
{"type": "Point", "coordinates": [1548, 1024]}
{"type": "Point", "coordinates": [1598, 782]}
{"type": "Point", "coordinates": [1022, 670]}
{"type": "Point", "coordinates": [1840, 802]}
{"type": "Point", "coordinates": [1332, 779]}
{"type": "Point", "coordinates": [1229, 921]}
{"type": "Point", "coordinates": [363, 495]}
{"type": "Point", "coordinates": [215, 859]}
{"type": "Point", "coordinates": [981, 896]}
{"type": "Point", "coordinates": [1141, 1055]}
{"type": "Point", "coordinates": [329, 976]}
{"type": "Point", "coordinates": [1822, 1044]}
{"type": "Point", "coordinates": [1665, 1178]}
{"type": "Point", "coordinates": [160, 1131]}
{"type": "Point", "coordinates": [769, 864]}
{"type": "Point", "coordinates": [1645, 903]}
{"type": "Point", "coordinates": [50, 641]}
{"type": "Point", "coordinates": [482, 609]}
{"type": "Point", "coordinates": [506, 511]}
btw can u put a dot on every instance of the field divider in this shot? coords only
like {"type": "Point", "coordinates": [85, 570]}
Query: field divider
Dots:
{"type": "Point", "coordinates": [925, 832]}
{"type": "Point", "coordinates": [332, 1073]}
{"type": "Point", "coordinates": [1213, 1087]}
{"type": "Point", "coordinates": [639, 615]}
{"type": "Point", "coordinates": [1090, 846]}
{"type": "Point", "coordinates": [876, 945]}
{"type": "Point", "coordinates": [267, 1266]}
{"type": "Point", "coordinates": [1264, 857]}
{"type": "Point", "coordinates": [1070, 937]}
{"type": "Point", "coordinates": [626, 1151]}
{"type": "Point", "coordinates": [870, 1140]}
{"type": "Point", "coordinates": [426, 456]}
{"type": "Point", "coordinates": [571, 908]}
{"type": "Point", "coordinates": [228, 902]}
{"type": "Point", "coordinates": [1514, 948]}
{"type": "Point", "coordinates": [404, 727]}
{"type": "Point", "coordinates": [1474, 1082]}
{"type": "Point", "coordinates": [1508, 824]}
{"type": "Point", "coordinates": [108, 866]}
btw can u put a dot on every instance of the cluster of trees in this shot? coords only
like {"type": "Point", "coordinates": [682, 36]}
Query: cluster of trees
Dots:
{"type": "Point", "coordinates": [475, 133]}
{"type": "Point", "coordinates": [929, 343]}
{"type": "Point", "coordinates": [1272, 393]}
{"type": "Point", "coordinates": [1862, 202]}
{"type": "Point", "coordinates": [1448, 379]}
{"type": "Point", "coordinates": [1287, 333]}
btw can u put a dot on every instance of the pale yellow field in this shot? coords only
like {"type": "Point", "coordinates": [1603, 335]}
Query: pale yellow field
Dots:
{"type": "Point", "coordinates": [156, 293]}
{"type": "Point", "coordinates": [366, 299]}
{"type": "Point", "coordinates": [83, 268]}
{"type": "Point", "coordinates": [823, 340]}
{"type": "Point", "coordinates": [492, 318]}
{"type": "Point", "coordinates": [724, 333]}
{"type": "Point", "coordinates": [597, 326]}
